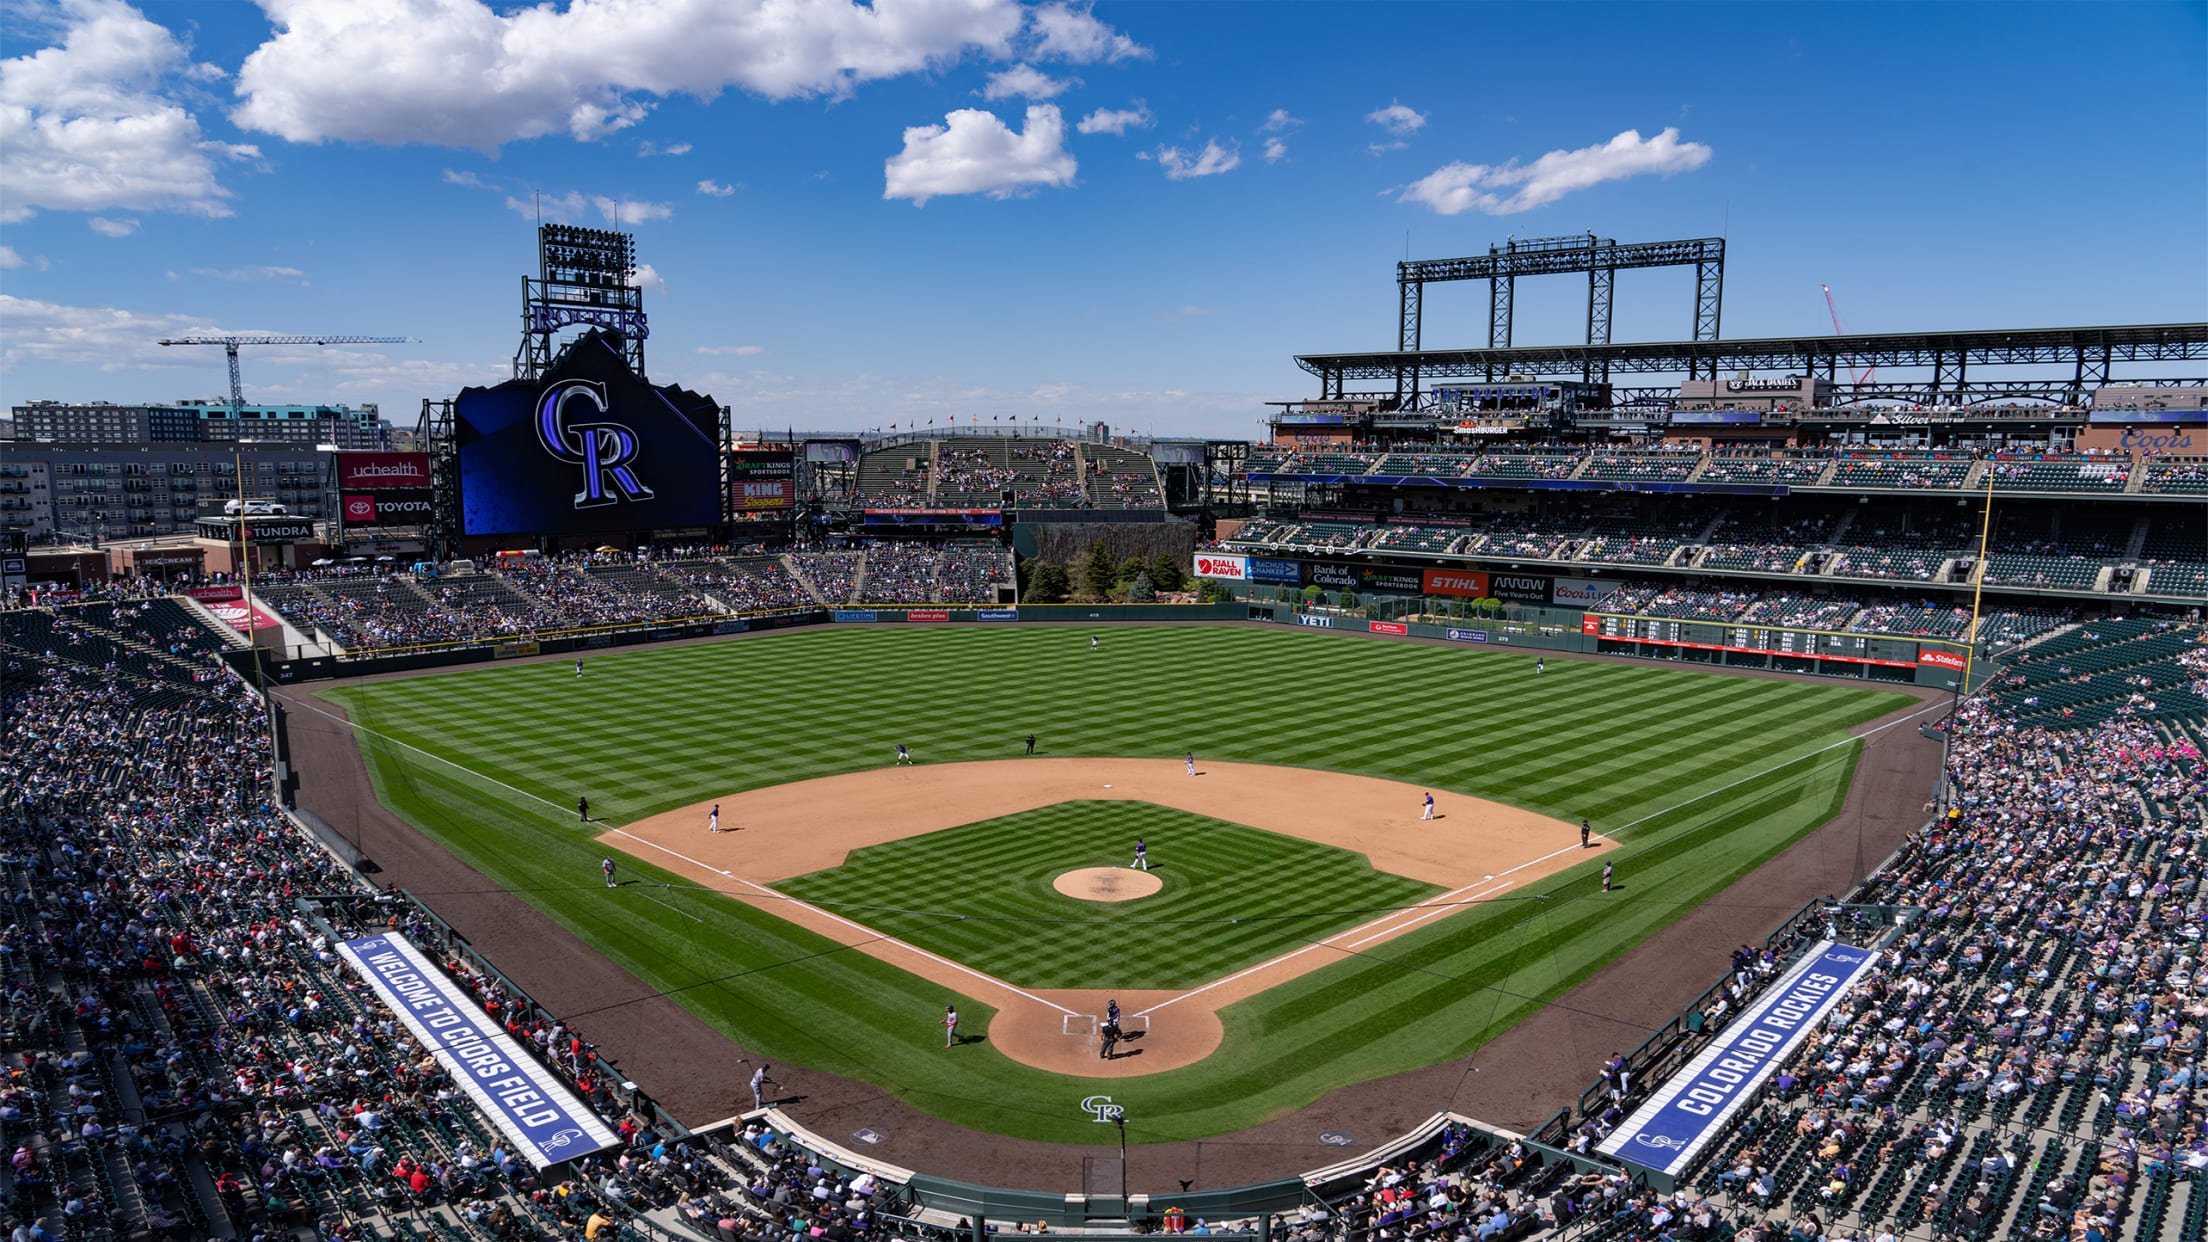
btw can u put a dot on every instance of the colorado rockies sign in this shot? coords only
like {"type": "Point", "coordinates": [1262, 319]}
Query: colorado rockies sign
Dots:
{"type": "Point", "coordinates": [589, 446]}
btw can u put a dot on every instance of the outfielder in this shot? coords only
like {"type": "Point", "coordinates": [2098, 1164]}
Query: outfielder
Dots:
{"type": "Point", "coordinates": [578, 668]}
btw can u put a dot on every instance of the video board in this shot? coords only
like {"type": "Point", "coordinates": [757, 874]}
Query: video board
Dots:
{"type": "Point", "coordinates": [762, 480]}
{"type": "Point", "coordinates": [587, 446]}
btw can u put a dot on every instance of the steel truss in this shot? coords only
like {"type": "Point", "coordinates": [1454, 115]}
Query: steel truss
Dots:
{"type": "Point", "coordinates": [1602, 258]}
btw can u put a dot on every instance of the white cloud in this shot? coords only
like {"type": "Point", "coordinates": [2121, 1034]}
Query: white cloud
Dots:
{"type": "Point", "coordinates": [715, 189]}
{"type": "Point", "coordinates": [1397, 119]}
{"type": "Point", "coordinates": [104, 336]}
{"type": "Point", "coordinates": [1279, 122]}
{"type": "Point", "coordinates": [1026, 81]}
{"type": "Point", "coordinates": [646, 150]}
{"type": "Point", "coordinates": [1382, 148]}
{"type": "Point", "coordinates": [1275, 150]}
{"type": "Point", "coordinates": [1211, 161]}
{"type": "Point", "coordinates": [106, 227]}
{"type": "Point", "coordinates": [973, 152]}
{"type": "Point", "coordinates": [1459, 187]}
{"type": "Point", "coordinates": [467, 179]}
{"type": "Point", "coordinates": [9, 259]}
{"type": "Point", "coordinates": [240, 275]}
{"type": "Point", "coordinates": [739, 351]}
{"type": "Point", "coordinates": [461, 73]}
{"type": "Point", "coordinates": [1116, 120]}
{"type": "Point", "coordinates": [84, 125]}
{"type": "Point", "coordinates": [648, 278]}
{"type": "Point", "coordinates": [1068, 32]}
{"type": "Point", "coordinates": [575, 206]}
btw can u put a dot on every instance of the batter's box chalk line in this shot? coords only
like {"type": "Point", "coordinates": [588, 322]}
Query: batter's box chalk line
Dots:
{"type": "Point", "coordinates": [1078, 1024]}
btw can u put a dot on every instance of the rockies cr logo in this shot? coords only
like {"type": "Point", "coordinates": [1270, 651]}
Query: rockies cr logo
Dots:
{"type": "Point", "coordinates": [603, 448]}
{"type": "Point", "coordinates": [1102, 1108]}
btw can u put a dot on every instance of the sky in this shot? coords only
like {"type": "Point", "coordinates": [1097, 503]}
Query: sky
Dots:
{"type": "Point", "coordinates": [856, 216]}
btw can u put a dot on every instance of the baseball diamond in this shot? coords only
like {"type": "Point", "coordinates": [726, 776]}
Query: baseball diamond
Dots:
{"type": "Point", "coordinates": [1694, 779]}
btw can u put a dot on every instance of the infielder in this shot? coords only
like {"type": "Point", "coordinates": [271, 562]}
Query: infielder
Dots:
{"type": "Point", "coordinates": [1192, 763]}
{"type": "Point", "coordinates": [713, 821]}
{"type": "Point", "coordinates": [903, 755]}
{"type": "Point", "coordinates": [1606, 877]}
{"type": "Point", "coordinates": [1429, 807]}
{"type": "Point", "coordinates": [950, 1026]}
{"type": "Point", "coordinates": [1142, 856]}
{"type": "Point", "coordinates": [606, 865]}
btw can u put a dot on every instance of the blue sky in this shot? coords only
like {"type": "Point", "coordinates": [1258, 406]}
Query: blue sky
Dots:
{"type": "Point", "coordinates": [844, 228]}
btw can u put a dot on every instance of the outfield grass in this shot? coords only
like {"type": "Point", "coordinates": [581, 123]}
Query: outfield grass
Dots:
{"type": "Point", "coordinates": [1702, 775]}
{"type": "Point", "coordinates": [1000, 870]}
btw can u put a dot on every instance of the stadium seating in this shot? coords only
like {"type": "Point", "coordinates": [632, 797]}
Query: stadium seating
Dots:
{"type": "Point", "coordinates": [1799, 612]}
{"type": "Point", "coordinates": [2060, 474]}
{"type": "Point", "coordinates": [833, 576]}
{"type": "Point", "coordinates": [1641, 467]}
{"type": "Point", "coordinates": [1761, 469]}
{"type": "Point", "coordinates": [1632, 541]}
{"type": "Point", "coordinates": [2187, 477]}
{"type": "Point", "coordinates": [1428, 539]}
{"type": "Point", "coordinates": [1121, 478]}
{"type": "Point", "coordinates": [1902, 473]}
{"type": "Point", "coordinates": [1527, 465]}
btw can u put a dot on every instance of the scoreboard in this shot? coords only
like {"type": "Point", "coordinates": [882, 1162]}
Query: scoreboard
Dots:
{"type": "Point", "coordinates": [1771, 639]}
{"type": "Point", "coordinates": [762, 481]}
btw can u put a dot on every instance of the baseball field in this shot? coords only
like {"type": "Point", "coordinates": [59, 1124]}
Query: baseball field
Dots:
{"type": "Point", "coordinates": [1308, 929]}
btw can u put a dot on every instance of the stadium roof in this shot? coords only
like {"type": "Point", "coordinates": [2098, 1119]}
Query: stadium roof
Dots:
{"type": "Point", "coordinates": [2093, 346]}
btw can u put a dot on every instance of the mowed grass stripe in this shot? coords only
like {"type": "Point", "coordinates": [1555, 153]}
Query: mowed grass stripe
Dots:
{"type": "Point", "coordinates": [646, 731]}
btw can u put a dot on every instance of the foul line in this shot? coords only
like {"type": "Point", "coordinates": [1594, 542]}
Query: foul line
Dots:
{"type": "Point", "coordinates": [871, 932]}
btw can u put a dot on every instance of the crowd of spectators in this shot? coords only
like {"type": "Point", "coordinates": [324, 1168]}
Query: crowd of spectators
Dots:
{"type": "Point", "coordinates": [184, 1055]}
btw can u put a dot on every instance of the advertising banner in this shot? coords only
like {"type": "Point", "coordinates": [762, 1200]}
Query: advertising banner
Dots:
{"type": "Point", "coordinates": [1941, 659]}
{"type": "Point", "coordinates": [255, 529]}
{"type": "Point", "coordinates": [1000, 614]}
{"type": "Point", "coordinates": [854, 614]}
{"type": "Point", "coordinates": [507, 651]}
{"type": "Point", "coordinates": [762, 479]}
{"type": "Point", "coordinates": [1671, 1129]}
{"type": "Point", "coordinates": [1523, 588]}
{"type": "Point", "coordinates": [1387, 627]}
{"type": "Point", "coordinates": [587, 446]}
{"type": "Point", "coordinates": [232, 613]}
{"type": "Point", "coordinates": [376, 472]}
{"type": "Point", "coordinates": [2146, 416]}
{"type": "Point", "coordinates": [1315, 621]}
{"type": "Point", "coordinates": [1590, 624]}
{"type": "Point", "coordinates": [1222, 566]}
{"type": "Point", "coordinates": [1469, 636]}
{"type": "Point", "coordinates": [1581, 592]}
{"type": "Point", "coordinates": [1273, 569]}
{"type": "Point", "coordinates": [928, 614]}
{"type": "Point", "coordinates": [545, 1121]}
{"type": "Point", "coordinates": [737, 626]}
{"type": "Point", "coordinates": [1706, 418]}
{"type": "Point", "coordinates": [410, 508]}
{"type": "Point", "coordinates": [214, 594]}
{"type": "Point", "coordinates": [1364, 578]}
{"type": "Point", "coordinates": [1468, 583]}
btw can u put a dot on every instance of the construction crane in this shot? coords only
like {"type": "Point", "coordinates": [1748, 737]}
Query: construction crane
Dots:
{"type": "Point", "coordinates": [230, 345]}
{"type": "Point", "coordinates": [1837, 330]}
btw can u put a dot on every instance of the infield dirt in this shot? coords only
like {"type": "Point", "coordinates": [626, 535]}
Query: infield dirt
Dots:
{"type": "Point", "coordinates": [1474, 848]}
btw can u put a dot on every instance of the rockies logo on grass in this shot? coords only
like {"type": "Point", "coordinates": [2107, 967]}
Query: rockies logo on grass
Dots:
{"type": "Point", "coordinates": [1102, 1108]}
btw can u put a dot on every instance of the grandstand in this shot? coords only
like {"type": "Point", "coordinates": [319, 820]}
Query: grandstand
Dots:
{"type": "Point", "coordinates": [977, 472]}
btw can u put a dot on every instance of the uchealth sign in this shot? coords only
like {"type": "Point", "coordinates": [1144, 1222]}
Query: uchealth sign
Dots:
{"type": "Point", "coordinates": [1226, 568]}
{"type": "Point", "coordinates": [386, 508]}
{"type": "Point", "coordinates": [376, 472]}
{"type": "Point", "coordinates": [1467, 583]}
{"type": "Point", "coordinates": [232, 613]}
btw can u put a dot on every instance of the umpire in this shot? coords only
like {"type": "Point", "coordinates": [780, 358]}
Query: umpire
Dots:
{"type": "Point", "coordinates": [1111, 1038]}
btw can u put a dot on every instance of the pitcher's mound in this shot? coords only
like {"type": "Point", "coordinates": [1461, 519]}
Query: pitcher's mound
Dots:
{"type": "Point", "coordinates": [1107, 884]}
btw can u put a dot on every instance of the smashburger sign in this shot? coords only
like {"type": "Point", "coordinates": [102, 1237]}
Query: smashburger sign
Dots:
{"type": "Point", "coordinates": [1230, 568]}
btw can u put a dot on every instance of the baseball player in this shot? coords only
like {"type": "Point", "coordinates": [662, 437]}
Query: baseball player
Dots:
{"type": "Point", "coordinates": [713, 821]}
{"type": "Point", "coordinates": [1192, 763]}
{"type": "Point", "coordinates": [582, 808]}
{"type": "Point", "coordinates": [1031, 743]}
{"type": "Point", "coordinates": [759, 1084]}
{"type": "Point", "coordinates": [1142, 856]}
{"type": "Point", "coordinates": [1584, 831]}
{"type": "Point", "coordinates": [1093, 644]}
{"type": "Point", "coordinates": [606, 865]}
{"type": "Point", "coordinates": [1606, 877]}
{"type": "Point", "coordinates": [903, 755]}
{"type": "Point", "coordinates": [1111, 1011]}
{"type": "Point", "coordinates": [578, 668]}
{"type": "Point", "coordinates": [1429, 807]}
{"type": "Point", "coordinates": [950, 1026]}
{"type": "Point", "coordinates": [1540, 666]}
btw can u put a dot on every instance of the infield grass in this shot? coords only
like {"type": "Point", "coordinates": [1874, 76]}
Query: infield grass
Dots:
{"type": "Point", "coordinates": [998, 873]}
{"type": "Point", "coordinates": [1703, 776]}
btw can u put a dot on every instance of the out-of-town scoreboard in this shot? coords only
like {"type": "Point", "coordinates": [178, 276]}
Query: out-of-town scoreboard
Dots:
{"type": "Point", "coordinates": [1773, 639]}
